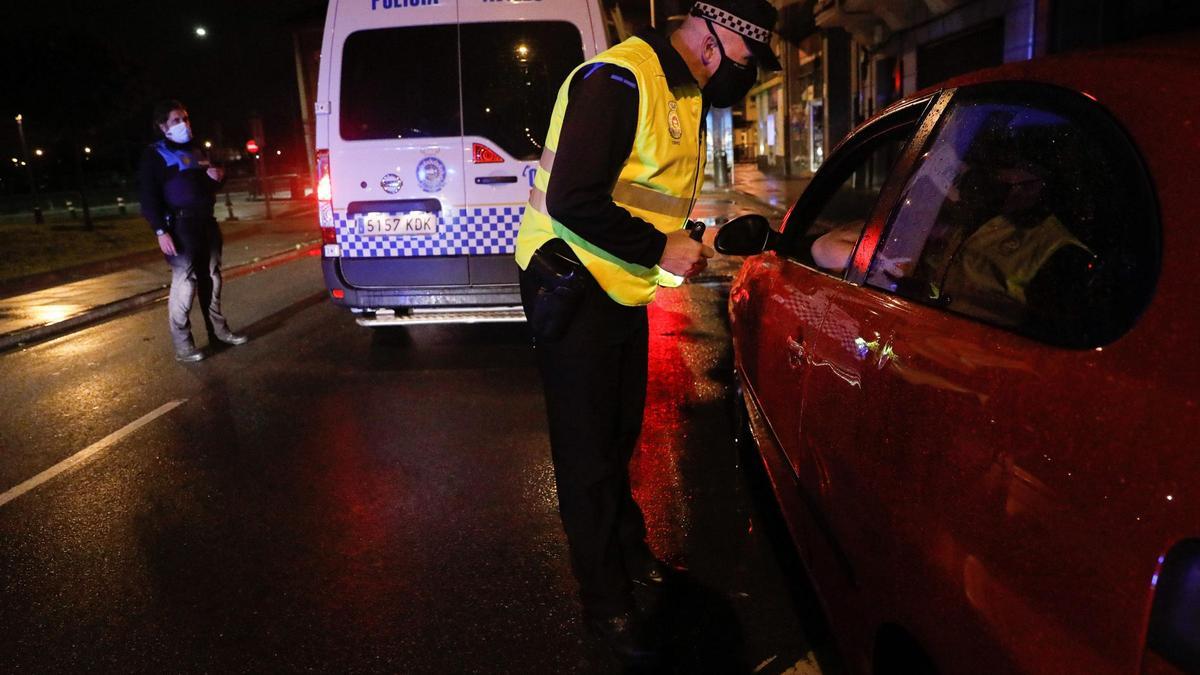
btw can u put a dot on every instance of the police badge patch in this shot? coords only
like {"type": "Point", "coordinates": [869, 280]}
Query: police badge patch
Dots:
{"type": "Point", "coordinates": [431, 174]}
{"type": "Point", "coordinates": [673, 123]}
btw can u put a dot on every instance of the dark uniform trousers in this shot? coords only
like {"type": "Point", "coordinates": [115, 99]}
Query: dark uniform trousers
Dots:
{"type": "Point", "coordinates": [594, 378]}
{"type": "Point", "coordinates": [195, 270]}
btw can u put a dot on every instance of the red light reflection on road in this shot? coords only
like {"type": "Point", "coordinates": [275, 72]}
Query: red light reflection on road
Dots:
{"type": "Point", "coordinates": [353, 496]}
{"type": "Point", "coordinates": [654, 470]}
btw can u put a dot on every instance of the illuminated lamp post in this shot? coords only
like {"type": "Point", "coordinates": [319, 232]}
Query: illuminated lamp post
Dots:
{"type": "Point", "coordinates": [37, 207]}
{"type": "Point", "coordinates": [80, 157]}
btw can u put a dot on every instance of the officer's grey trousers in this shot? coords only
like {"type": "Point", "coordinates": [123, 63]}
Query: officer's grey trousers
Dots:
{"type": "Point", "coordinates": [195, 269]}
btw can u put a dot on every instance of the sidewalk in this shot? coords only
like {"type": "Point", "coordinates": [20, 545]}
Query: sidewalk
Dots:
{"type": "Point", "coordinates": [777, 192]}
{"type": "Point", "coordinates": [39, 314]}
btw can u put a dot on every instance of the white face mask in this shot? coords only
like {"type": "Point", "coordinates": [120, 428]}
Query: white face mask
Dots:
{"type": "Point", "coordinates": [180, 133]}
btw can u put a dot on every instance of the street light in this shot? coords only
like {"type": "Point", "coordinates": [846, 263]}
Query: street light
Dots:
{"type": "Point", "coordinates": [201, 32]}
{"type": "Point", "coordinates": [80, 158]}
{"type": "Point", "coordinates": [37, 208]}
{"type": "Point", "coordinates": [38, 152]}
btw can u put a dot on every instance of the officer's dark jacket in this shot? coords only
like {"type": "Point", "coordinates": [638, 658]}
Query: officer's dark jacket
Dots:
{"type": "Point", "coordinates": [173, 177]}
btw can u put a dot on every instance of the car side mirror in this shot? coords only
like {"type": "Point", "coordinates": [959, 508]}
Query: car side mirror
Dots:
{"type": "Point", "coordinates": [750, 234]}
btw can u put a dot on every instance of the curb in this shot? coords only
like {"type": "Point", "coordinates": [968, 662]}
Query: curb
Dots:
{"type": "Point", "coordinates": [34, 334]}
{"type": "Point", "coordinates": [36, 281]}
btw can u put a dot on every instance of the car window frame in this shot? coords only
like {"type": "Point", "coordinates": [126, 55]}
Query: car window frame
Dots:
{"type": "Point", "coordinates": [920, 114]}
{"type": "Point", "coordinates": [1070, 104]}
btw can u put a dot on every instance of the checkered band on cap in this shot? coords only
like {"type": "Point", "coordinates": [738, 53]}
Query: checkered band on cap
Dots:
{"type": "Point", "coordinates": [734, 23]}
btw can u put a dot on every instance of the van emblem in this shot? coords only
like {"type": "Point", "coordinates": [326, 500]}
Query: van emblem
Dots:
{"type": "Point", "coordinates": [391, 183]}
{"type": "Point", "coordinates": [673, 123]}
{"type": "Point", "coordinates": [431, 174]}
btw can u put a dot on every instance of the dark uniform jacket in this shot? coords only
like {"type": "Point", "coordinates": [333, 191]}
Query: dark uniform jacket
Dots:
{"type": "Point", "coordinates": [173, 181]}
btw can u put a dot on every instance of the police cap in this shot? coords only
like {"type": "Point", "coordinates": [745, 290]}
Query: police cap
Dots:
{"type": "Point", "coordinates": [752, 19]}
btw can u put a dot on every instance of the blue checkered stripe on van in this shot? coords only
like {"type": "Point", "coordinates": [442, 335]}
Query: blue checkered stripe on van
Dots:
{"type": "Point", "coordinates": [483, 231]}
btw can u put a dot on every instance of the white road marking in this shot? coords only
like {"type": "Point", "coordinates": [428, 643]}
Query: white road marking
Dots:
{"type": "Point", "coordinates": [88, 452]}
{"type": "Point", "coordinates": [766, 663]}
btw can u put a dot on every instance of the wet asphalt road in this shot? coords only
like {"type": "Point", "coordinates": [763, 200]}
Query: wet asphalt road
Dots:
{"type": "Point", "coordinates": [332, 499]}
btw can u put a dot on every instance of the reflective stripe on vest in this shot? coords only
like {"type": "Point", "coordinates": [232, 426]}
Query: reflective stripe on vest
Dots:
{"type": "Point", "coordinates": [633, 195]}
{"type": "Point", "coordinates": [658, 181]}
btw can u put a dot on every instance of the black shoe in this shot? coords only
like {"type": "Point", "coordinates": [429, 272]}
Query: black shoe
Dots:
{"type": "Point", "coordinates": [231, 338]}
{"type": "Point", "coordinates": [624, 637]}
{"type": "Point", "coordinates": [655, 574]}
{"type": "Point", "coordinates": [188, 354]}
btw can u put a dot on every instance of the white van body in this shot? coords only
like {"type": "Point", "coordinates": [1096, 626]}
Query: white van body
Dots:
{"type": "Point", "coordinates": [430, 116]}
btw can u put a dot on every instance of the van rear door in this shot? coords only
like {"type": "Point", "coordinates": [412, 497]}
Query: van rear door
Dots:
{"type": "Point", "coordinates": [399, 123]}
{"type": "Point", "coordinates": [514, 58]}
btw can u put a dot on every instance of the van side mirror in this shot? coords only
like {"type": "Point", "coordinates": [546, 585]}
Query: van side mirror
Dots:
{"type": "Point", "coordinates": [750, 234]}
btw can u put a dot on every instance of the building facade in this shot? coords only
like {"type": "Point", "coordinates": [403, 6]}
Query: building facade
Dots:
{"type": "Point", "coordinates": [846, 60]}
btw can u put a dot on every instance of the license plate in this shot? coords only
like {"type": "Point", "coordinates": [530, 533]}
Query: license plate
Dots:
{"type": "Point", "coordinates": [398, 224]}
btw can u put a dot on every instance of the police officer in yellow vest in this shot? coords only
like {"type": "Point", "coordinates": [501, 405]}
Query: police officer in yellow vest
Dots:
{"type": "Point", "coordinates": [622, 167]}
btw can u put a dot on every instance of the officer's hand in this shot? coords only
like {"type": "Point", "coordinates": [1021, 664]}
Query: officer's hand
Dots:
{"type": "Point", "coordinates": [216, 173]}
{"type": "Point", "coordinates": [166, 243]}
{"type": "Point", "coordinates": [683, 255]}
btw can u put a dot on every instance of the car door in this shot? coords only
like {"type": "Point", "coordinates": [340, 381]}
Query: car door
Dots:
{"type": "Point", "coordinates": [1020, 243]}
{"type": "Point", "coordinates": [790, 287]}
{"type": "Point", "coordinates": [826, 232]}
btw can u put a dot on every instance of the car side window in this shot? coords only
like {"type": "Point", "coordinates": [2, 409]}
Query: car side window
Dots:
{"type": "Point", "coordinates": [1029, 210]}
{"type": "Point", "coordinates": [827, 239]}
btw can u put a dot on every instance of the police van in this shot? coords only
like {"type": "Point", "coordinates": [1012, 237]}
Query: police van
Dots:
{"type": "Point", "coordinates": [430, 119]}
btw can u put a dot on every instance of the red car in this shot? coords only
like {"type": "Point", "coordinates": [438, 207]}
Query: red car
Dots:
{"type": "Point", "coordinates": [964, 360]}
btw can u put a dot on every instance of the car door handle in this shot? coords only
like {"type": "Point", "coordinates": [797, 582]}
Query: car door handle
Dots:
{"type": "Point", "coordinates": [880, 350]}
{"type": "Point", "coordinates": [796, 351]}
{"type": "Point", "coordinates": [494, 180]}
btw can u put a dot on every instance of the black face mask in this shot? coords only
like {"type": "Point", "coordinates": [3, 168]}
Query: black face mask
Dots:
{"type": "Point", "coordinates": [732, 81]}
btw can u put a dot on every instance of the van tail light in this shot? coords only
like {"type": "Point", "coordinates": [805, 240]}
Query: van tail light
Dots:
{"type": "Point", "coordinates": [485, 155]}
{"type": "Point", "coordinates": [324, 188]}
{"type": "Point", "coordinates": [329, 247]}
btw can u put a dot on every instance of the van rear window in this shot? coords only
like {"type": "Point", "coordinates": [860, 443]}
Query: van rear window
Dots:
{"type": "Point", "coordinates": [511, 75]}
{"type": "Point", "coordinates": [400, 83]}
{"type": "Point", "coordinates": [404, 82]}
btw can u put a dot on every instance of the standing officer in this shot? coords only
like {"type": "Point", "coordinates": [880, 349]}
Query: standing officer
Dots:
{"type": "Point", "coordinates": [622, 167]}
{"type": "Point", "coordinates": [178, 188]}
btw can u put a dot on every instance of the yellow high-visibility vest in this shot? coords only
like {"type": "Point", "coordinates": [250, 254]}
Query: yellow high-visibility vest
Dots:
{"type": "Point", "coordinates": [659, 182]}
{"type": "Point", "coordinates": [989, 273]}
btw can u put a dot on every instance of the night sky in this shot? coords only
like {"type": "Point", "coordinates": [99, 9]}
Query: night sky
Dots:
{"type": "Point", "coordinates": [89, 73]}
